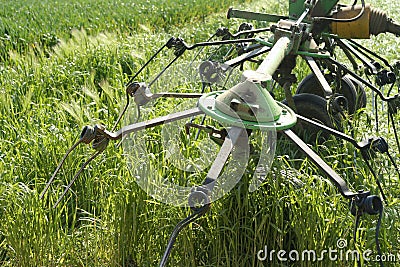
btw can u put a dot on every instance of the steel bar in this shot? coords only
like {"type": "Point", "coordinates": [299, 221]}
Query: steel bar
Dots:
{"type": "Point", "coordinates": [151, 123]}
{"type": "Point", "coordinates": [242, 58]}
{"type": "Point", "coordinates": [176, 95]}
{"type": "Point", "coordinates": [366, 50]}
{"type": "Point", "coordinates": [345, 45]}
{"type": "Point", "coordinates": [320, 77]}
{"type": "Point", "coordinates": [258, 30]}
{"type": "Point", "coordinates": [333, 176]}
{"type": "Point", "coordinates": [224, 42]}
{"type": "Point", "coordinates": [330, 130]}
{"type": "Point", "coordinates": [214, 172]}
{"type": "Point", "coordinates": [358, 78]}
{"type": "Point", "coordinates": [231, 140]}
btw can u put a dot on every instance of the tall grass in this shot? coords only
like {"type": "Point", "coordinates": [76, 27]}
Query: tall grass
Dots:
{"type": "Point", "coordinates": [26, 25]}
{"type": "Point", "coordinates": [50, 90]}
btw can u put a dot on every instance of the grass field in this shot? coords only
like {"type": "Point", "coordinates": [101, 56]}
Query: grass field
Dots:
{"type": "Point", "coordinates": [64, 65]}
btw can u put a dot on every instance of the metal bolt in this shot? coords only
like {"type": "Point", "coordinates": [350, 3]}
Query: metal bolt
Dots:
{"type": "Point", "coordinates": [101, 127]}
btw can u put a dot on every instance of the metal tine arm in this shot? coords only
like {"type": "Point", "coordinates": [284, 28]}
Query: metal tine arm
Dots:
{"type": "Point", "coordinates": [151, 59]}
{"type": "Point", "coordinates": [100, 138]}
{"type": "Point", "coordinates": [343, 68]}
{"type": "Point", "coordinates": [87, 135]}
{"type": "Point", "coordinates": [332, 175]}
{"type": "Point", "coordinates": [394, 164]}
{"type": "Point", "coordinates": [149, 124]}
{"type": "Point", "coordinates": [199, 198]}
{"type": "Point", "coordinates": [58, 168]}
{"type": "Point", "coordinates": [382, 145]}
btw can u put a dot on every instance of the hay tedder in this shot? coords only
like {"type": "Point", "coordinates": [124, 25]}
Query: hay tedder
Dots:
{"type": "Point", "coordinates": [231, 112]}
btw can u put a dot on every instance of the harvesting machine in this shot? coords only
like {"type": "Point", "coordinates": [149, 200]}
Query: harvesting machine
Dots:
{"type": "Point", "coordinates": [343, 73]}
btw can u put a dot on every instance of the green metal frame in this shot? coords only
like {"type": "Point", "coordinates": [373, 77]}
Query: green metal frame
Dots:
{"type": "Point", "coordinates": [320, 8]}
{"type": "Point", "coordinates": [276, 115]}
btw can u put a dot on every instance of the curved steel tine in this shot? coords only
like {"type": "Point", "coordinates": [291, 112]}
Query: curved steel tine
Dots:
{"type": "Point", "coordinates": [394, 164]}
{"type": "Point", "coordinates": [76, 176]}
{"type": "Point", "coordinates": [178, 228]}
{"type": "Point", "coordinates": [122, 113]}
{"type": "Point", "coordinates": [58, 168]}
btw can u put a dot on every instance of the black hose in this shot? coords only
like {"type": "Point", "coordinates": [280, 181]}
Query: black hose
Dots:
{"type": "Point", "coordinates": [359, 15]}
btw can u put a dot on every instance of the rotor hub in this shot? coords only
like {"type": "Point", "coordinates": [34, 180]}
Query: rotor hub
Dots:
{"type": "Point", "coordinates": [248, 105]}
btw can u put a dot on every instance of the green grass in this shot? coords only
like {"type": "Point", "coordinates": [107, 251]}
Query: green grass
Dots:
{"type": "Point", "coordinates": [26, 25]}
{"type": "Point", "coordinates": [48, 93]}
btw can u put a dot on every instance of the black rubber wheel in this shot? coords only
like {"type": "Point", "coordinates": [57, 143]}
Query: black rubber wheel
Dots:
{"type": "Point", "coordinates": [313, 107]}
{"type": "Point", "coordinates": [361, 101]}
{"type": "Point", "coordinates": [346, 88]}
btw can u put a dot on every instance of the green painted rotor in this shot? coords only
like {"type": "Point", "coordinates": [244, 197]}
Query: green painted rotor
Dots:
{"type": "Point", "coordinates": [262, 113]}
